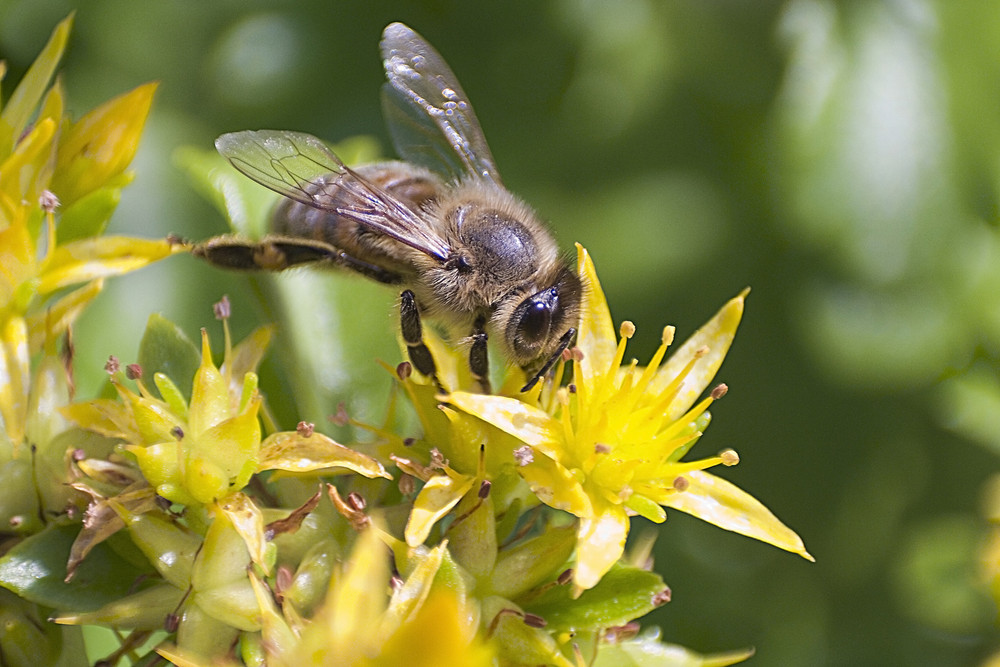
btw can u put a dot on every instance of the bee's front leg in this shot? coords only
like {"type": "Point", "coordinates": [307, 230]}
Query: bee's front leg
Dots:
{"type": "Point", "coordinates": [413, 336]}
{"type": "Point", "coordinates": [479, 361]}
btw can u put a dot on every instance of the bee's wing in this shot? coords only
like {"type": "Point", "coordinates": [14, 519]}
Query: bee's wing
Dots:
{"type": "Point", "coordinates": [289, 162]}
{"type": "Point", "coordinates": [429, 116]}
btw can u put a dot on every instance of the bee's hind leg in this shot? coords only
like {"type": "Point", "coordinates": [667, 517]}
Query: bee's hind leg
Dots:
{"type": "Point", "coordinates": [413, 336]}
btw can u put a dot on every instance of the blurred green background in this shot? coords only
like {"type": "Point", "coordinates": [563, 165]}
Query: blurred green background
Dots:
{"type": "Point", "coordinates": [840, 157]}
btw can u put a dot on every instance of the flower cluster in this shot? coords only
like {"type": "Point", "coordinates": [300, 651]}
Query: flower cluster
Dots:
{"type": "Point", "coordinates": [494, 535]}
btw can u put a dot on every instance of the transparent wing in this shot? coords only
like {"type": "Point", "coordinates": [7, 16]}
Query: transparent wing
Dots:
{"type": "Point", "coordinates": [290, 164]}
{"type": "Point", "coordinates": [429, 116]}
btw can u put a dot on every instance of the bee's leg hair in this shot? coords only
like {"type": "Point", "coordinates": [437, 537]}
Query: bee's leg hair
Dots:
{"type": "Point", "coordinates": [479, 360]}
{"type": "Point", "coordinates": [413, 336]}
{"type": "Point", "coordinates": [563, 344]}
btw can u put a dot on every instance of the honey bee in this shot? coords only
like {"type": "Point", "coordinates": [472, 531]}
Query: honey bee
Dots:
{"type": "Point", "coordinates": [440, 224]}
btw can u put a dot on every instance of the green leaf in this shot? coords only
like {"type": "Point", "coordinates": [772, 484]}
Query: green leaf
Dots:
{"type": "Point", "coordinates": [29, 91]}
{"type": "Point", "coordinates": [36, 568]}
{"type": "Point", "coordinates": [166, 349]}
{"type": "Point", "coordinates": [623, 594]}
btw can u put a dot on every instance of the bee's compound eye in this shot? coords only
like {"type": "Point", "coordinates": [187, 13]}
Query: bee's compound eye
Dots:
{"type": "Point", "coordinates": [533, 319]}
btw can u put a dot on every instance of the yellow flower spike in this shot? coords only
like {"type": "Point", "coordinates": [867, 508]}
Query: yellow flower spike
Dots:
{"type": "Point", "coordinates": [99, 146]}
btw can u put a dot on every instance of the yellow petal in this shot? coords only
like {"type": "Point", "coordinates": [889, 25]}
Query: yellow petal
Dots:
{"type": "Point", "coordinates": [210, 400]}
{"type": "Point", "coordinates": [439, 495]}
{"type": "Point", "coordinates": [724, 504]}
{"type": "Point", "coordinates": [27, 171]}
{"type": "Point", "coordinates": [716, 335]}
{"type": "Point", "coordinates": [52, 322]}
{"type": "Point", "coordinates": [293, 452]}
{"type": "Point", "coordinates": [596, 334]}
{"type": "Point", "coordinates": [409, 597]}
{"type": "Point", "coordinates": [17, 263]}
{"type": "Point", "coordinates": [14, 377]}
{"type": "Point", "coordinates": [24, 99]}
{"type": "Point", "coordinates": [248, 521]}
{"type": "Point", "coordinates": [525, 422]}
{"type": "Point", "coordinates": [555, 485]}
{"type": "Point", "coordinates": [87, 259]}
{"type": "Point", "coordinates": [99, 146]}
{"type": "Point", "coordinates": [600, 543]}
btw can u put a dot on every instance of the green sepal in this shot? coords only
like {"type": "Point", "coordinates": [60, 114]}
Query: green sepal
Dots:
{"type": "Point", "coordinates": [536, 561]}
{"type": "Point", "coordinates": [623, 594]}
{"type": "Point", "coordinates": [166, 349]}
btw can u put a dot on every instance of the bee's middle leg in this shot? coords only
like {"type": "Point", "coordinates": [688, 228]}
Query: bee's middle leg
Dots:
{"type": "Point", "coordinates": [413, 336]}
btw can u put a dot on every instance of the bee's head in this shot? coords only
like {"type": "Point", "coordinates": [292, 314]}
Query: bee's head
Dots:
{"type": "Point", "coordinates": [537, 325]}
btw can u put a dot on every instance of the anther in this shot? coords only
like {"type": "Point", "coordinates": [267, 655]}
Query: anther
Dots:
{"type": "Point", "coordinates": [222, 308]}
{"type": "Point", "coordinates": [661, 598]}
{"type": "Point", "coordinates": [133, 372]}
{"type": "Point", "coordinates": [305, 429]}
{"type": "Point", "coordinates": [112, 365]}
{"type": "Point", "coordinates": [681, 483]}
{"type": "Point", "coordinates": [668, 335]}
{"type": "Point", "coordinates": [48, 201]}
{"type": "Point", "coordinates": [484, 489]}
{"type": "Point", "coordinates": [720, 390]}
{"type": "Point", "coordinates": [729, 457]}
{"type": "Point", "coordinates": [627, 329]}
{"type": "Point", "coordinates": [404, 370]}
{"type": "Point", "coordinates": [523, 455]}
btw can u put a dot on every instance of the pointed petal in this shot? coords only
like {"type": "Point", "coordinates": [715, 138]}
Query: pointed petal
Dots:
{"type": "Point", "coordinates": [600, 543]}
{"type": "Point", "coordinates": [555, 485]}
{"type": "Point", "coordinates": [435, 500]}
{"type": "Point", "coordinates": [87, 259]}
{"type": "Point", "coordinates": [596, 334]}
{"type": "Point", "coordinates": [15, 380]}
{"type": "Point", "coordinates": [525, 422]}
{"type": "Point", "coordinates": [26, 96]}
{"type": "Point", "coordinates": [99, 146]}
{"type": "Point", "coordinates": [248, 521]}
{"type": "Point", "coordinates": [724, 504]}
{"type": "Point", "coordinates": [717, 335]}
{"type": "Point", "coordinates": [292, 452]}
{"type": "Point", "coordinates": [54, 320]}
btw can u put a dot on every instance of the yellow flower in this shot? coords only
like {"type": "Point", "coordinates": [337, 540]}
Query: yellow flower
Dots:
{"type": "Point", "coordinates": [611, 445]}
